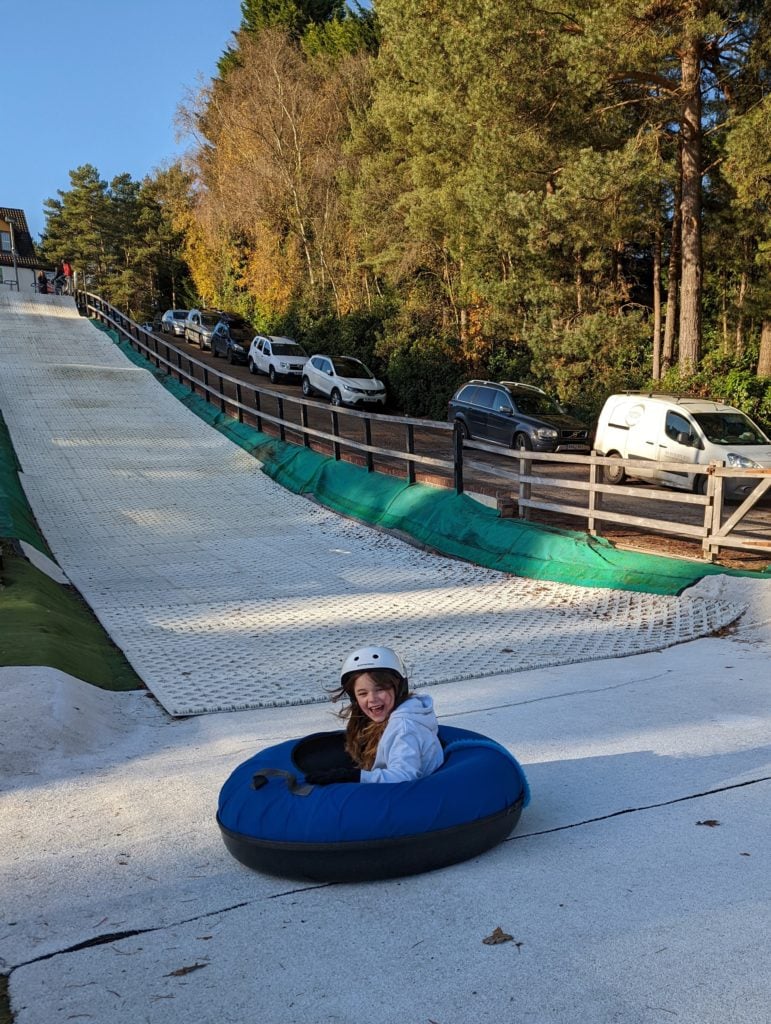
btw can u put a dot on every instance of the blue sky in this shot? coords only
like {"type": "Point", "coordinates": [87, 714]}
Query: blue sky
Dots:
{"type": "Point", "coordinates": [98, 82]}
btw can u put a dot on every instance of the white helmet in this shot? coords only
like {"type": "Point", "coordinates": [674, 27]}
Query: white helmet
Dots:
{"type": "Point", "coordinates": [366, 658]}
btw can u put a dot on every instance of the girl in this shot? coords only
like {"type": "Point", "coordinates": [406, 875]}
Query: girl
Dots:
{"type": "Point", "coordinates": [392, 735]}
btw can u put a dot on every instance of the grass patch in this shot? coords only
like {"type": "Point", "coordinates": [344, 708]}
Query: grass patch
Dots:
{"type": "Point", "coordinates": [6, 1016]}
{"type": "Point", "coordinates": [45, 623]}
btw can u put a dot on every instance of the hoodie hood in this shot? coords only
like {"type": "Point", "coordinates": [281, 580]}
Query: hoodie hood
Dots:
{"type": "Point", "coordinates": [419, 708]}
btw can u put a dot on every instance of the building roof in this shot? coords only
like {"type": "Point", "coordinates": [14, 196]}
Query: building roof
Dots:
{"type": "Point", "coordinates": [25, 249]}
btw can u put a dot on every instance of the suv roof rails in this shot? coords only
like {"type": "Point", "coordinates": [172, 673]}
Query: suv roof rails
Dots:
{"type": "Point", "coordinates": [519, 384]}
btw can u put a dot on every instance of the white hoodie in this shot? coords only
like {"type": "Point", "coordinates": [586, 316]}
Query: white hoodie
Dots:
{"type": "Point", "coordinates": [409, 748]}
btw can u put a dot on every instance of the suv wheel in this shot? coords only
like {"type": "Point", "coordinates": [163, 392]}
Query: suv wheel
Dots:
{"type": "Point", "coordinates": [336, 398]}
{"type": "Point", "coordinates": [522, 443]}
{"type": "Point", "coordinates": [272, 374]}
{"type": "Point", "coordinates": [252, 365]}
{"type": "Point", "coordinates": [307, 389]}
{"type": "Point", "coordinates": [463, 430]}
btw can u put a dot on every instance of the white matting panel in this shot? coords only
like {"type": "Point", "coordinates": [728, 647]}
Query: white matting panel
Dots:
{"type": "Point", "coordinates": [227, 592]}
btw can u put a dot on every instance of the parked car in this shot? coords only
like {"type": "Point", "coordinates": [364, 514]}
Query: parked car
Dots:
{"type": "Point", "coordinates": [173, 321]}
{"type": "Point", "coordinates": [692, 431]}
{"type": "Point", "coordinates": [518, 416]}
{"type": "Point", "coordinates": [231, 338]}
{"type": "Point", "coordinates": [343, 379]}
{"type": "Point", "coordinates": [147, 326]}
{"type": "Point", "coordinates": [199, 326]}
{"type": "Point", "coordinates": [277, 357]}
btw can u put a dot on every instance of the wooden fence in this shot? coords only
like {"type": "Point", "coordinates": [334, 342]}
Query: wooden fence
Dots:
{"type": "Point", "coordinates": [522, 485]}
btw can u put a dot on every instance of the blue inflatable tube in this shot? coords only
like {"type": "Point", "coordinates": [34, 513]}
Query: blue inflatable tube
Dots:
{"type": "Point", "coordinates": [272, 821]}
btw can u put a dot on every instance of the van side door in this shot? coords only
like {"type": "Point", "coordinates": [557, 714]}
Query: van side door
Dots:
{"type": "Point", "coordinates": [679, 442]}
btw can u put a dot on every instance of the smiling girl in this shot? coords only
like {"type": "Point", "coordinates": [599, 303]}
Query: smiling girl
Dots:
{"type": "Point", "coordinates": [392, 735]}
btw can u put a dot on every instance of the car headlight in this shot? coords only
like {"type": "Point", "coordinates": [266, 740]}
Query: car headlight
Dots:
{"type": "Point", "coordinates": [238, 348]}
{"type": "Point", "coordinates": [353, 391]}
{"type": "Point", "coordinates": [741, 461]}
{"type": "Point", "coordinates": [547, 433]}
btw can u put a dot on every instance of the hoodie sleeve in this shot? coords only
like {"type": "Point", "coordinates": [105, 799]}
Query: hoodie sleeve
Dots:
{"type": "Point", "coordinates": [404, 757]}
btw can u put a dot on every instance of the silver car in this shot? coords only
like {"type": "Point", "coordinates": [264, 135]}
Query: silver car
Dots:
{"type": "Point", "coordinates": [173, 321]}
{"type": "Point", "coordinates": [343, 379]}
{"type": "Point", "coordinates": [199, 326]}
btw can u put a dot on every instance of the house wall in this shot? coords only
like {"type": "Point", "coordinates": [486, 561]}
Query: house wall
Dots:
{"type": "Point", "coordinates": [26, 279]}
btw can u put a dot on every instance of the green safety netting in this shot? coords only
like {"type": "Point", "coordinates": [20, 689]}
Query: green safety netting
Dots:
{"type": "Point", "coordinates": [438, 518]}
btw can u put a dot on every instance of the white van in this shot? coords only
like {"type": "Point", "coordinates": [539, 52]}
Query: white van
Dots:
{"type": "Point", "coordinates": [694, 431]}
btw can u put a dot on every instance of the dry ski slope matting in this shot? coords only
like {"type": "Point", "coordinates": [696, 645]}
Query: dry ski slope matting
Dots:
{"type": "Point", "coordinates": [226, 591]}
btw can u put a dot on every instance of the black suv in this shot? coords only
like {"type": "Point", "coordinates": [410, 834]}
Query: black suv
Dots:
{"type": "Point", "coordinates": [517, 416]}
{"type": "Point", "coordinates": [232, 337]}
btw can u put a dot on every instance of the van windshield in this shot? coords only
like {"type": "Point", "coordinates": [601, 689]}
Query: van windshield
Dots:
{"type": "Point", "coordinates": [729, 428]}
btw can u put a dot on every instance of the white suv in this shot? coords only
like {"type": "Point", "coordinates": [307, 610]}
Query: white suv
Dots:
{"type": "Point", "coordinates": [277, 357]}
{"type": "Point", "coordinates": [342, 379]}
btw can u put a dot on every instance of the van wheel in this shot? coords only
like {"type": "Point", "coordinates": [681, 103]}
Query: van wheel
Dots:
{"type": "Point", "coordinates": [614, 474]}
{"type": "Point", "coordinates": [700, 483]}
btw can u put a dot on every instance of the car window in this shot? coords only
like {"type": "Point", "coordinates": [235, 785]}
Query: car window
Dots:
{"type": "Point", "coordinates": [267, 350]}
{"type": "Point", "coordinates": [467, 394]}
{"type": "Point", "coordinates": [180, 314]}
{"type": "Point", "coordinates": [729, 428]}
{"type": "Point", "coordinates": [347, 367]}
{"type": "Point", "coordinates": [209, 321]}
{"type": "Point", "coordinates": [486, 398]}
{"type": "Point", "coordinates": [676, 424]}
{"type": "Point", "coordinates": [536, 405]}
{"type": "Point", "coordinates": [288, 348]}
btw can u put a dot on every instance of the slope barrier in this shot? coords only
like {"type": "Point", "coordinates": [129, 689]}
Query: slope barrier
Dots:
{"type": "Point", "coordinates": [452, 524]}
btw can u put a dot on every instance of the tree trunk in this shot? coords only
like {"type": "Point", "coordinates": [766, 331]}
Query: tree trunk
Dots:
{"type": "Point", "coordinates": [673, 279]}
{"type": "Point", "coordinates": [657, 305]}
{"type": "Point", "coordinates": [691, 274]}
{"type": "Point", "coordinates": [740, 300]}
{"type": "Point", "coordinates": [764, 356]}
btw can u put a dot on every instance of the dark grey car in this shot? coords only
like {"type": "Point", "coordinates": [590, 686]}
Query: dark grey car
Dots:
{"type": "Point", "coordinates": [517, 416]}
{"type": "Point", "coordinates": [231, 338]}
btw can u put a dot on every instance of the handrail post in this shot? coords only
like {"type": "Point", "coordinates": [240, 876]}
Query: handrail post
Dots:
{"type": "Point", "coordinates": [257, 406]}
{"type": "Point", "coordinates": [281, 427]}
{"type": "Point", "coordinates": [206, 384]}
{"type": "Point", "coordinates": [304, 421]}
{"type": "Point", "coordinates": [410, 451]}
{"type": "Point", "coordinates": [524, 487]}
{"type": "Point", "coordinates": [336, 432]}
{"type": "Point", "coordinates": [239, 399]}
{"type": "Point", "coordinates": [595, 496]}
{"type": "Point", "coordinates": [368, 440]}
{"type": "Point", "coordinates": [713, 512]}
{"type": "Point", "coordinates": [457, 457]}
{"type": "Point", "coordinates": [221, 386]}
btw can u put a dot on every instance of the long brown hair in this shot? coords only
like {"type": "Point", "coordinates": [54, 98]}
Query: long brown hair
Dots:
{"type": "Point", "coordinates": [362, 735]}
